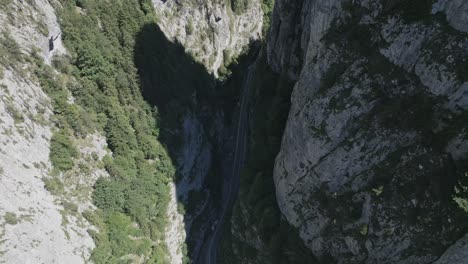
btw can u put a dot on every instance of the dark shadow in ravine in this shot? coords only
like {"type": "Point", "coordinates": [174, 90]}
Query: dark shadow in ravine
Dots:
{"type": "Point", "coordinates": [171, 80]}
{"type": "Point", "coordinates": [174, 83]}
{"type": "Point", "coordinates": [195, 115]}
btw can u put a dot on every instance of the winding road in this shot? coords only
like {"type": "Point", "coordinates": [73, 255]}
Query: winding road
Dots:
{"type": "Point", "coordinates": [209, 250]}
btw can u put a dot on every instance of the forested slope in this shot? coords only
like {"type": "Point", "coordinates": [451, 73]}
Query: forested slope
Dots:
{"type": "Point", "coordinates": [123, 123]}
{"type": "Point", "coordinates": [100, 37]}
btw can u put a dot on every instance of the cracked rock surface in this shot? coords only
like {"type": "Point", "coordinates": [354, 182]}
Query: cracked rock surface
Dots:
{"type": "Point", "coordinates": [376, 136]}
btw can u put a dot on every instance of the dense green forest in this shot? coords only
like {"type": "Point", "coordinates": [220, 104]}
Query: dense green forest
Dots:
{"type": "Point", "coordinates": [102, 77]}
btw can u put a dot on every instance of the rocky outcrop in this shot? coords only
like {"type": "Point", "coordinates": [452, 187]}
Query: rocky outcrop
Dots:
{"type": "Point", "coordinates": [210, 30]}
{"type": "Point", "coordinates": [367, 165]}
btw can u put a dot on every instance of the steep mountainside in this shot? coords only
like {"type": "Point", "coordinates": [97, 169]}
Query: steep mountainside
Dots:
{"type": "Point", "coordinates": [372, 164]}
{"type": "Point", "coordinates": [120, 122]}
{"type": "Point", "coordinates": [114, 147]}
{"type": "Point", "coordinates": [41, 209]}
{"type": "Point", "coordinates": [375, 145]}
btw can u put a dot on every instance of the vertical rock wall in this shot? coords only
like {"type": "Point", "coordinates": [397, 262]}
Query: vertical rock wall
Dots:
{"type": "Point", "coordinates": [375, 142]}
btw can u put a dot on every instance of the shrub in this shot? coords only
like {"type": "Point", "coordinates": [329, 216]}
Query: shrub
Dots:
{"type": "Point", "coordinates": [71, 207]}
{"type": "Point", "coordinates": [95, 156]}
{"type": "Point", "coordinates": [460, 196]}
{"type": "Point", "coordinates": [62, 150]}
{"type": "Point", "coordinates": [80, 3]}
{"type": "Point", "coordinates": [10, 52]}
{"type": "Point", "coordinates": [10, 218]}
{"type": "Point", "coordinates": [227, 57]}
{"type": "Point", "coordinates": [189, 27]}
{"type": "Point", "coordinates": [364, 230]}
{"type": "Point", "coordinates": [14, 112]}
{"type": "Point", "coordinates": [53, 185]}
{"type": "Point", "coordinates": [181, 208]}
{"type": "Point", "coordinates": [239, 6]}
{"type": "Point", "coordinates": [62, 64]}
{"type": "Point", "coordinates": [109, 195]}
{"type": "Point", "coordinates": [267, 7]}
{"type": "Point", "coordinates": [5, 2]}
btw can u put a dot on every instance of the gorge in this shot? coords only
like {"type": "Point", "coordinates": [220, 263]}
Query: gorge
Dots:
{"type": "Point", "coordinates": [234, 131]}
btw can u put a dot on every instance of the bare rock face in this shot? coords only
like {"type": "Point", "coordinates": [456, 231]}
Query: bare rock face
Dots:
{"type": "Point", "coordinates": [294, 32]}
{"type": "Point", "coordinates": [210, 30]}
{"type": "Point", "coordinates": [39, 222]}
{"type": "Point", "coordinates": [376, 136]}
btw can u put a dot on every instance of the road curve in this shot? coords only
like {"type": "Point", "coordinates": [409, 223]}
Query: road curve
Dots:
{"type": "Point", "coordinates": [209, 250]}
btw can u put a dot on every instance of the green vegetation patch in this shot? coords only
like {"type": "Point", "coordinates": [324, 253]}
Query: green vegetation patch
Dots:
{"type": "Point", "coordinates": [62, 150]}
{"type": "Point", "coordinates": [10, 52]}
{"type": "Point", "coordinates": [460, 196]}
{"type": "Point", "coordinates": [10, 218]}
{"type": "Point", "coordinates": [267, 8]}
{"type": "Point", "coordinates": [54, 185]}
{"type": "Point", "coordinates": [239, 6]}
{"type": "Point", "coordinates": [101, 78]}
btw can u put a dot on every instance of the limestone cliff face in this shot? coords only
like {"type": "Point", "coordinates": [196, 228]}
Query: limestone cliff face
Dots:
{"type": "Point", "coordinates": [41, 218]}
{"type": "Point", "coordinates": [376, 137]}
{"type": "Point", "coordinates": [210, 30]}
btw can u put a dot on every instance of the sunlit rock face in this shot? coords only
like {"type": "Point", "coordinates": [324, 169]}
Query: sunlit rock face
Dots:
{"type": "Point", "coordinates": [210, 30]}
{"type": "Point", "coordinates": [376, 137]}
{"type": "Point", "coordinates": [37, 226]}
